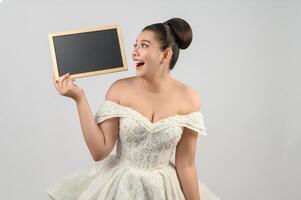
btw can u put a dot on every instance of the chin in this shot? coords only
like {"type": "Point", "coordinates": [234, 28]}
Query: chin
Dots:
{"type": "Point", "coordinates": [140, 73]}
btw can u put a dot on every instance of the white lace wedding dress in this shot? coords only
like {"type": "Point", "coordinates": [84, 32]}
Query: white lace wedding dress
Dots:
{"type": "Point", "coordinates": [142, 167]}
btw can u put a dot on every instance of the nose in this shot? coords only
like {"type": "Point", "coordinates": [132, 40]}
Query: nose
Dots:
{"type": "Point", "coordinates": [134, 52]}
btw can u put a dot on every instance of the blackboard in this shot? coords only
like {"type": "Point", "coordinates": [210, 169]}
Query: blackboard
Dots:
{"type": "Point", "coordinates": [87, 52]}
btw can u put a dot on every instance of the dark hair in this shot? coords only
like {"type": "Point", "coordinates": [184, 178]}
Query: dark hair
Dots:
{"type": "Point", "coordinates": [175, 33]}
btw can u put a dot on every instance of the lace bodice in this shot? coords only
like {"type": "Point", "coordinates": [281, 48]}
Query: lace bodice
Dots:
{"type": "Point", "coordinates": [144, 144]}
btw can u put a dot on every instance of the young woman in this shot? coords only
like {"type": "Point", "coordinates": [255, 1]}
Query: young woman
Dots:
{"type": "Point", "coordinates": [150, 116]}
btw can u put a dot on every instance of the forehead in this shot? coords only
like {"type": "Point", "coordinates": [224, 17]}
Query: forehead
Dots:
{"type": "Point", "coordinates": [146, 35]}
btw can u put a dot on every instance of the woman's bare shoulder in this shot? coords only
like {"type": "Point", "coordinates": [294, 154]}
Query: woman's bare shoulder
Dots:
{"type": "Point", "coordinates": [123, 81]}
{"type": "Point", "coordinates": [192, 98]}
{"type": "Point", "coordinates": [118, 87]}
{"type": "Point", "coordinates": [184, 88]}
{"type": "Point", "coordinates": [126, 80]}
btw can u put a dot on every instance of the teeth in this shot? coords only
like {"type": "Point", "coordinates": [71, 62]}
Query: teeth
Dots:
{"type": "Point", "coordinates": [138, 62]}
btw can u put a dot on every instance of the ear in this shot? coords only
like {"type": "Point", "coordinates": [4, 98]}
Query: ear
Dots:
{"type": "Point", "coordinates": [166, 55]}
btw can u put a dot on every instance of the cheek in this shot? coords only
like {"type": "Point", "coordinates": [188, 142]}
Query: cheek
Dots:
{"type": "Point", "coordinates": [152, 58]}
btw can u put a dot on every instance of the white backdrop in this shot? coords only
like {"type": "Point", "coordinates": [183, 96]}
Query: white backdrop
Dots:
{"type": "Point", "coordinates": [242, 61]}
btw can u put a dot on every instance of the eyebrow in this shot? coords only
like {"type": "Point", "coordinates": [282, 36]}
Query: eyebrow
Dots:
{"type": "Point", "coordinates": [145, 41]}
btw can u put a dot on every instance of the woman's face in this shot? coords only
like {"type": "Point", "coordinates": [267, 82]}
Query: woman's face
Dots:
{"type": "Point", "coordinates": [147, 55]}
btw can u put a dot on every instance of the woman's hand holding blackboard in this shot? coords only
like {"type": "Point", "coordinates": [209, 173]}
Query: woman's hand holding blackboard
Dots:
{"type": "Point", "coordinates": [66, 87]}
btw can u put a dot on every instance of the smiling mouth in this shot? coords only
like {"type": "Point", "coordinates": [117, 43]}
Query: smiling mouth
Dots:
{"type": "Point", "coordinates": [139, 64]}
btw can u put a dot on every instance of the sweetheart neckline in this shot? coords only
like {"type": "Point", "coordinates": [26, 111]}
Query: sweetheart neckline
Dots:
{"type": "Point", "coordinates": [146, 119]}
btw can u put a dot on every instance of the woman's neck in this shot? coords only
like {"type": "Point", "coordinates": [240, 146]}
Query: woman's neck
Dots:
{"type": "Point", "coordinates": [157, 85]}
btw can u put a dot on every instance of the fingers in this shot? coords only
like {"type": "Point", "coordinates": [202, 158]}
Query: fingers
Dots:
{"type": "Point", "coordinates": [70, 83]}
{"type": "Point", "coordinates": [61, 82]}
{"type": "Point", "coordinates": [65, 83]}
{"type": "Point", "coordinates": [57, 84]}
{"type": "Point", "coordinates": [73, 80]}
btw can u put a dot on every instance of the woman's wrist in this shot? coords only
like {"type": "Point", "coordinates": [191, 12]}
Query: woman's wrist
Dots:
{"type": "Point", "coordinates": [80, 98]}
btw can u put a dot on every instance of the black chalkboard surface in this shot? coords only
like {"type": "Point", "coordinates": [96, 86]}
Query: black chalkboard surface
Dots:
{"type": "Point", "coordinates": [87, 52]}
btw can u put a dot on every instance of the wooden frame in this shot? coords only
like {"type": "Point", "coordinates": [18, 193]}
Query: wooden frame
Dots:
{"type": "Point", "coordinates": [82, 45]}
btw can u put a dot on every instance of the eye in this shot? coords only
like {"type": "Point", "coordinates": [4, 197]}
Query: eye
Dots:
{"type": "Point", "coordinates": [143, 45]}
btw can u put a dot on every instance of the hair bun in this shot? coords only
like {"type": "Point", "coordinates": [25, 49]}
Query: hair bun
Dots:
{"type": "Point", "coordinates": [181, 30]}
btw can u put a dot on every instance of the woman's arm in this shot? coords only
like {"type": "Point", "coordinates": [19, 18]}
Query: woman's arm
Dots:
{"type": "Point", "coordinates": [100, 138]}
{"type": "Point", "coordinates": [185, 155]}
{"type": "Point", "coordinates": [93, 135]}
{"type": "Point", "coordinates": [185, 165]}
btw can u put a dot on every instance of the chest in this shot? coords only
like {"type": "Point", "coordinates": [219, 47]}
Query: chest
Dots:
{"type": "Point", "coordinates": [162, 136]}
{"type": "Point", "coordinates": [155, 107]}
